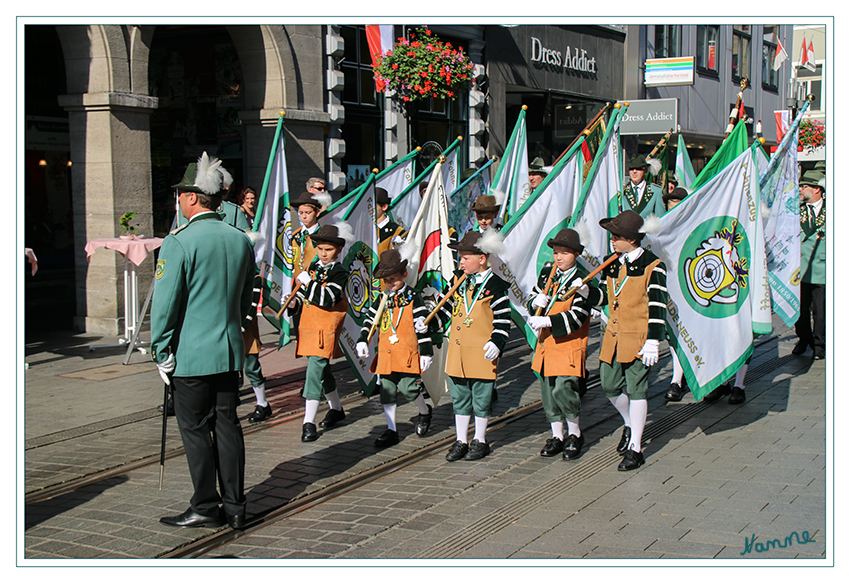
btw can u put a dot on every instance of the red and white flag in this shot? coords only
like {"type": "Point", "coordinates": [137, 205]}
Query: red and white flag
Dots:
{"type": "Point", "coordinates": [380, 40]}
{"type": "Point", "coordinates": [781, 55]}
{"type": "Point", "coordinates": [807, 56]}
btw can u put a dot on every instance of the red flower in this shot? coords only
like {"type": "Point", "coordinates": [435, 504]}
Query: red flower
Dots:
{"type": "Point", "coordinates": [411, 54]}
{"type": "Point", "coordinates": [428, 32]}
{"type": "Point", "coordinates": [450, 93]}
{"type": "Point", "coordinates": [406, 98]}
{"type": "Point", "coordinates": [395, 66]}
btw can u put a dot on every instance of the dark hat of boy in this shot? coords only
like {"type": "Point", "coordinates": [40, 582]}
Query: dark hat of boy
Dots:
{"type": "Point", "coordinates": [638, 162]}
{"type": "Point", "coordinates": [568, 238]}
{"type": "Point", "coordinates": [678, 193]}
{"type": "Point", "coordinates": [390, 263]}
{"type": "Point", "coordinates": [305, 198]}
{"type": "Point", "coordinates": [469, 243]}
{"type": "Point", "coordinates": [627, 225]}
{"type": "Point", "coordinates": [536, 167]}
{"type": "Point", "coordinates": [328, 234]}
{"type": "Point", "coordinates": [485, 203]}
{"type": "Point", "coordinates": [382, 196]}
{"type": "Point", "coordinates": [423, 186]}
{"type": "Point", "coordinates": [813, 178]}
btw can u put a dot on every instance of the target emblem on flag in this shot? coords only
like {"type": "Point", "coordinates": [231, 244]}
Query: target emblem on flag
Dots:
{"type": "Point", "coordinates": [361, 290]}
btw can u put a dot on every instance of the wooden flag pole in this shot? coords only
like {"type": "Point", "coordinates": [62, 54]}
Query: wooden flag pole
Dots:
{"type": "Point", "coordinates": [446, 297]}
{"type": "Point", "coordinates": [381, 307]}
{"type": "Point", "coordinates": [288, 300]}
{"type": "Point", "coordinates": [733, 115]}
{"type": "Point", "coordinates": [547, 288]}
{"type": "Point", "coordinates": [591, 275]}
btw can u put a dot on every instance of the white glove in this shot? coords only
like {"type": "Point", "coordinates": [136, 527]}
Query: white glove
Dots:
{"type": "Point", "coordinates": [583, 290]}
{"type": "Point", "coordinates": [424, 362]}
{"type": "Point", "coordinates": [490, 351]}
{"type": "Point", "coordinates": [362, 350]}
{"type": "Point", "coordinates": [538, 322]}
{"type": "Point", "coordinates": [304, 278]}
{"type": "Point", "coordinates": [594, 313]}
{"type": "Point", "coordinates": [397, 240]}
{"type": "Point", "coordinates": [419, 325]}
{"type": "Point", "coordinates": [540, 301]}
{"type": "Point", "coordinates": [649, 352]}
{"type": "Point", "coordinates": [165, 368]}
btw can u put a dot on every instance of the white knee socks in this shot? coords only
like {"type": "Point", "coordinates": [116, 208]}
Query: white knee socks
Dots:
{"type": "Point", "coordinates": [573, 428]}
{"type": "Point", "coordinates": [621, 403]}
{"type": "Point", "coordinates": [260, 393]}
{"type": "Point", "coordinates": [480, 429]}
{"type": "Point", "coordinates": [419, 401]}
{"type": "Point", "coordinates": [462, 427]}
{"type": "Point", "coordinates": [333, 400]}
{"type": "Point", "coordinates": [739, 376]}
{"type": "Point", "coordinates": [677, 368]}
{"type": "Point", "coordinates": [389, 413]}
{"type": "Point", "coordinates": [637, 414]}
{"type": "Point", "coordinates": [311, 407]}
{"type": "Point", "coordinates": [558, 430]}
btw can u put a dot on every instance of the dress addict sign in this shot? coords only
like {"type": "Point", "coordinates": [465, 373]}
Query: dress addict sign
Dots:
{"type": "Point", "coordinates": [575, 59]}
{"type": "Point", "coordinates": [650, 116]}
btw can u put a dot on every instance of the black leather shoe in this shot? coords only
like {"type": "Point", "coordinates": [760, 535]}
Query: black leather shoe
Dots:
{"type": "Point", "coordinates": [572, 449]}
{"type": "Point", "coordinates": [624, 440]}
{"type": "Point", "coordinates": [260, 414]}
{"type": "Point", "coordinates": [800, 348]}
{"type": "Point", "coordinates": [737, 397]}
{"type": "Point", "coordinates": [457, 451]}
{"type": "Point", "coordinates": [553, 447]}
{"type": "Point", "coordinates": [308, 432]}
{"type": "Point", "coordinates": [819, 355]}
{"type": "Point", "coordinates": [718, 393]}
{"type": "Point", "coordinates": [332, 418]}
{"type": "Point", "coordinates": [477, 450]}
{"type": "Point", "coordinates": [170, 406]}
{"type": "Point", "coordinates": [191, 519]}
{"type": "Point", "coordinates": [236, 521]}
{"type": "Point", "coordinates": [423, 422]}
{"type": "Point", "coordinates": [388, 438]}
{"type": "Point", "coordinates": [674, 393]}
{"type": "Point", "coordinates": [631, 461]}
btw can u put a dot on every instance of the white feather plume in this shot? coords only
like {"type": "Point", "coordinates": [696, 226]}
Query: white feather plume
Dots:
{"type": "Point", "coordinates": [226, 178]}
{"type": "Point", "coordinates": [491, 242]}
{"type": "Point", "coordinates": [208, 175]}
{"type": "Point", "coordinates": [255, 237]}
{"type": "Point", "coordinates": [345, 231]}
{"type": "Point", "coordinates": [654, 165]}
{"type": "Point", "coordinates": [323, 198]}
{"type": "Point", "coordinates": [651, 225]}
{"type": "Point", "coordinates": [408, 250]}
{"type": "Point", "coordinates": [500, 197]}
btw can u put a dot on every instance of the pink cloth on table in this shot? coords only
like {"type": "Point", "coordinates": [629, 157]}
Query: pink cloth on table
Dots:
{"type": "Point", "coordinates": [133, 249]}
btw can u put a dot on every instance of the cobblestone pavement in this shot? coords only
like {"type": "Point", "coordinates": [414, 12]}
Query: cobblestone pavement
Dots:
{"type": "Point", "coordinates": [720, 482]}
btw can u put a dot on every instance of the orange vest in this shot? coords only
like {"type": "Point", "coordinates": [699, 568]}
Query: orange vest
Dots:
{"type": "Point", "coordinates": [628, 316]}
{"type": "Point", "coordinates": [403, 356]}
{"type": "Point", "coordinates": [319, 329]}
{"type": "Point", "coordinates": [564, 356]}
{"type": "Point", "coordinates": [465, 357]}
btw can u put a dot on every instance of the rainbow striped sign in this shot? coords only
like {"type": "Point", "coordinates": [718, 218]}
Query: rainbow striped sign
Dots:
{"type": "Point", "coordinates": [672, 71]}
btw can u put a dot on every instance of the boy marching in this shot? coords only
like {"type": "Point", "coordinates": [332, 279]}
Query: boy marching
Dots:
{"type": "Point", "coordinates": [308, 206]}
{"type": "Point", "coordinates": [479, 315]}
{"type": "Point", "coordinates": [562, 328]}
{"type": "Point", "coordinates": [403, 352]}
{"type": "Point", "coordinates": [320, 302]}
{"type": "Point", "coordinates": [635, 290]}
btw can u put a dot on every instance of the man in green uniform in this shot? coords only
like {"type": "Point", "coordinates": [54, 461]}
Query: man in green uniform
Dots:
{"type": "Point", "coordinates": [204, 278]}
{"type": "Point", "coordinates": [811, 325]}
{"type": "Point", "coordinates": [638, 195]}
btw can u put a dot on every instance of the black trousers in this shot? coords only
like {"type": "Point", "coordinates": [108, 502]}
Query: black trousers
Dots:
{"type": "Point", "coordinates": [811, 325]}
{"type": "Point", "coordinates": [212, 437]}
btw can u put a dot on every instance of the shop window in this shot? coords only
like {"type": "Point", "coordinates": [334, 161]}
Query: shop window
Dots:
{"type": "Point", "coordinates": [813, 84]}
{"type": "Point", "coordinates": [769, 45]}
{"type": "Point", "coordinates": [357, 67]}
{"type": "Point", "coordinates": [668, 41]}
{"type": "Point", "coordinates": [741, 41]}
{"type": "Point", "coordinates": [707, 49]}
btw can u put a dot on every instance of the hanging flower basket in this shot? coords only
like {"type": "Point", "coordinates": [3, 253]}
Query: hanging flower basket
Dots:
{"type": "Point", "coordinates": [422, 66]}
{"type": "Point", "coordinates": [812, 134]}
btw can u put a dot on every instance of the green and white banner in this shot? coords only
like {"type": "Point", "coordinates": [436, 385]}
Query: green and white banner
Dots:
{"type": "Point", "coordinates": [685, 174]}
{"type": "Point", "coordinates": [511, 178]}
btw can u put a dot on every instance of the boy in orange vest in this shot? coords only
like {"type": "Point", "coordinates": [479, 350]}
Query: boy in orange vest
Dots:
{"type": "Point", "coordinates": [480, 318]}
{"type": "Point", "coordinates": [403, 353]}
{"type": "Point", "coordinates": [321, 304]}
{"type": "Point", "coordinates": [562, 328]}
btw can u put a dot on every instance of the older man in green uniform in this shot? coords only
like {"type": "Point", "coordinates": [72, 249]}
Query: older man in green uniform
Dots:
{"type": "Point", "coordinates": [204, 277]}
{"type": "Point", "coordinates": [811, 325]}
{"type": "Point", "coordinates": [638, 195]}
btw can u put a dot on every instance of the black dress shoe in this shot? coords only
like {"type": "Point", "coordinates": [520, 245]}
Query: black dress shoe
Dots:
{"type": "Point", "coordinates": [423, 422]}
{"type": "Point", "coordinates": [624, 440]}
{"type": "Point", "coordinates": [717, 393]}
{"type": "Point", "coordinates": [553, 447]}
{"type": "Point", "coordinates": [737, 397]}
{"type": "Point", "coordinates": [477, 450]}
{"type": "Point", "coordinates": [332, 418]}
{"type": "Point", "coordinates": [388, 438]}
{"type": "Point", "coordinates": [169, 405]}
{"type": "Point", "coordinates": [819, 355]}
{"type": "Point", "coordinates": [674, 393]}
{"type": "Point", "coordinates": [260, 414]}
{"type": "Point", "coordinates": [457, 451]}
{"type": "Point", "coordinates": [800, 348]}
{"type": "Point", "coordinates": [191, 519]}
{"type": "Point", "coordinates": [631, 461]}
{"type": "Point", "coordinates": [308, 432]}
{"type": "Point", "coordinates": [236, 521]}
{"type": "Point", "coordinates": [572, 449]}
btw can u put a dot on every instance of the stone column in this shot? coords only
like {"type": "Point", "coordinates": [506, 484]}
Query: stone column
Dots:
{"type": "Point", "coordinates": [110, 153]}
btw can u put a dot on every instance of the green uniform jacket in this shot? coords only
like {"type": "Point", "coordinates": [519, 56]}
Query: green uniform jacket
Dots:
{"type": "Point", "coordinates": [652, 204]}
{"type": "Point", "coordinates": [202, 294]}
{"type": "Point", "coordinates": [813, 247]}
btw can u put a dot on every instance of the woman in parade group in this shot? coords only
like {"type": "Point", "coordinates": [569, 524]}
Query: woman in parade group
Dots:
{"type": "Point", "coordinates": [248, 204]}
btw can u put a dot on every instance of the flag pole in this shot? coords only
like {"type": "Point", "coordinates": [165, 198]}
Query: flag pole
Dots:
{"type": "Point", "coordinates": [733, 115]}
{"type": "Point", "coordinates": [585, 131]}
{"type": "Point", "coordinates": [269, 167]}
